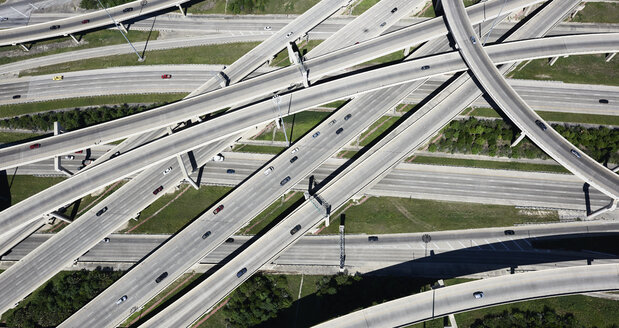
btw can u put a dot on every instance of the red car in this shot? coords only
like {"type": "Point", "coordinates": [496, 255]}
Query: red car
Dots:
{"type": "Point", "coordinates": [218, 209]}
{"type": "Point", "coordinates": [156, 191]}
{"type": "Point", "coordinates": [35, 146]}
{"type": "Point", "coordinates": [79, 151]}
{"type": "Point", "coordinates": [86, 21]}
{"type": "Point", "coordinates": [166, 76]}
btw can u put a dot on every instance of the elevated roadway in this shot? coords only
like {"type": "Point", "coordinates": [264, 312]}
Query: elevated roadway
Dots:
{"type": "Point", "coordinates": [496, 291]}
{"type": "Point", "coordinates": [238, 93]}
{"type": "Point", "coordinates": [518, 111]}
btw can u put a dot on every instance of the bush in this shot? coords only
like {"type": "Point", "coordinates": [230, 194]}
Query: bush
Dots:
{"type": "Point", "coordinates": [527, 319]}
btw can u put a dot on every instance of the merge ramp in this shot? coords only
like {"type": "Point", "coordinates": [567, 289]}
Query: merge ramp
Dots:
{"type": "Point", "coordinates": [242, 91]}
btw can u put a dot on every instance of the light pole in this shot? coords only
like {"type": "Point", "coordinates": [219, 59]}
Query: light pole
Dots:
{"type": "Point", "coordinates": [426, 239]}
{"type": "Point", "coordinates": [140, 58]}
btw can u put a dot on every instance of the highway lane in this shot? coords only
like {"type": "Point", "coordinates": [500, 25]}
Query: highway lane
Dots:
{"type": "Point", "coordinates": [196, 136]}
{"type": "Point", "coordinates": [518, 111]}
{"type": "Point", "coordinates": [84, 22]}
{"type": "Point", "coordinates": [498, 290]}
{"type": "Point", "coordinates": [238, 93]}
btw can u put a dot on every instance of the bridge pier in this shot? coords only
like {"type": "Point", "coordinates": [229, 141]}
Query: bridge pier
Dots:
{"type": "Point", "coordinates": [59, 216]}
{"type": "Point", "coordinates": [608, 208]}
{"type": "Point", "coordinates": [72, 37]}
{"type": "Point", "coordinates": [552, 61]}
{"type": "Point", "coordinates": [295, 58]}
{"type": "Point", "coordinates": [22, 46]}
{"type": "Point", "coordinates": [522, 135]}
{"type": "Point", "coordinates": [57, 166]}
{"type": "Point", "coordinates": [610, 56]}
{"type": "Point", "coordinates": [185, 173]}
{"type": "Point", "coordinates": [224, 80]}
{"type": "Point", "coordinates": [184, 12]}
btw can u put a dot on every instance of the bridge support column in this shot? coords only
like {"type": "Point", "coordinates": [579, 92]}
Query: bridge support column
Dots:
{"type": "Point", "coordinates": [72, 37]}
{"type": "Point", "coordinates": [407, 51]}
{"type": "Point", "coordinates": [522, 135]}
{"type": "Point", "coordinates": [181, 9]}
{"type": "Point", "coordinates": [22, 46]}
{"type": "Point", "coordinates": [122, 27]}
{"type": "Point", "coordinates": [295, 58]}
{"type": "Point", "coordinates": [224, 81]}
{"type": "Point", "coordinates": [60, 217]}
{"type": "Point", "coordinates": [185, 174]}
{"type": "Point", "coordinates": [608, 208]}
{"type": "Point", "coordinates": [610, 56]}
{"type": "Point", "coordinates": [57, 166]}
{"type": "Point", "coordinates": [342, 248]}
{"type": "Point", "coordinates": [552, 61]}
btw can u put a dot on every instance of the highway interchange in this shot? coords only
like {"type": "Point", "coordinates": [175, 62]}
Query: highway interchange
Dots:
{"type": "Point", "coordinates": [397, 81]}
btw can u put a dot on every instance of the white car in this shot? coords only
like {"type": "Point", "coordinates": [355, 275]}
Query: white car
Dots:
{"type": "Point", "coordinates": [166, 171]}
{"type": "Point", "coordinates": [69, 157]}
{"type": "Point", "coordinates": [288, 34]}
{"type": "Point", "coordinates": [332, 122]}
{"type": "Point", "coordinates": [294, 150]}
{"type": "Point", "coordinates": [122, 299]}
{"type": "Point", "coordinates": [219, 158]}
{"type": "Point", "coordinates": [267, 28]}
{"type": "Point", "coordinates": [268, 171]}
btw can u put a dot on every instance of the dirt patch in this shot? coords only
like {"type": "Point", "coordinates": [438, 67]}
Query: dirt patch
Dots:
{"type": "Point", "coordinates": [543, 76]}
{"type": "Point", "coordinates": [536, 212]}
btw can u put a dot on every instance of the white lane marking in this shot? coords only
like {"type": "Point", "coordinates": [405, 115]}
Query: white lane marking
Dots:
{"type": "Point", "coordinates": [35, 7]}
{"type": "Point", "coordinates": [474, 242]}
{"type": "Point", "coordinates": [449, 245]}
{"type": "Point", "coordinates": [528, 243]}
{"type": "Point", "coordinates": [516, 242]}
{"type": "Point", "coordinates": [461, 244]}
{"type": "Point", "coordinates": [435, 245]}
{"type": "Point", "coordinates": [497, 239]}
{"type": "Point", "coordinates": [488, 243]}
{"type": "Point", "coordinates": [19, 12]}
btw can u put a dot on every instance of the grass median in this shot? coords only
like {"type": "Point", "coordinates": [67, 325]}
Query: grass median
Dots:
{"type": "Point", "coordinates": [587, 69]}
{"type": "Point", "coordinates": [557, 116]}
{"type": "Point", "coordinates": [598, 12]}
{"type": "Point", "coordinates": [262, 7]}
{"type": "Point", "coordinates": [516, 166]}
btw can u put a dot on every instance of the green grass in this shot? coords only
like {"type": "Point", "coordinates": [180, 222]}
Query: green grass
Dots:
{"type": "Point", "coordinates": [8, 137]}
{"type": "Point", "coordinates": [362, 6]}
{"type": "Point", "coordinates": [267, 216]}
{"type": "Point", "coordinates": [282, 59]}
{"type": "Point", "coordinates": [90, 40]}
{"type": "Point", "coordinates": [270, 7]}
{"type": "Point", "coordinates": [557, 116]}
{"type": "Point", "coordinates": [303, 122]}
{"type": "Point", "coordinates": [379, 215]}
{"type": "Point", "coordinates": [470, 2]}
{"type": "Point", "coordinates": [588, 69]}
{"type": "Point", "coordinates": [224, 54]}
{"type": "Point", "coordinates": [589, 311]}
{"type": "Point", "coordinates": [34, 107]}
{"type": "Point", "coordinates": [180, 212]}
{"type": "Point", "coordinates": [429, 12]}
{"type": "Point", "coordinates": [598, 12]}
{"type": "Point", "coordinates": [258, 149]}
{"type": "Point", "coordinates": [395, 56]}
{"type": "Point", "coordinates": [489, 164]}
{"type": "Point", "coordinates": [377, 128]}
{"type": "Point", "coordinates": [335, 104]}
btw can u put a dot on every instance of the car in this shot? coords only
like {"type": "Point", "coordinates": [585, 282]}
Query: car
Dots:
{"type": "Point", "coordinates": [16, 96]}
{"type": "Point", "coordinates": [357, 42]}
{"type": "Point", "coordinates": [101, 211]}
{"type": "Point", "coordinates": [218, 209]}
{"type": "Point", "coordinates": [294, 159]}
{"type": "Point", "coordinates": [339, 130]}
{"type": "Point", "coordinates": [332, 122]}
{"type": "Point", "coordinates": [541, 125]}
{"type": "Point", "coordinates": [268, 170]}
{"type": "Point", "coordinates": [161, 277]}
{"type": "Point", "coordinates": [2, 19]}
{"type": "Point", "coordinates": [423, 68]}
{"type": "Point", "coordinates": [267, 28]}
{"type": "Point", "coordinates": [218, 158]}
{"type": "Point", "coordinates": [156, 191]}
{"type": "Point", "coordinates": [295, 229]}
{"type": "Point", "coordinates": [230, 240]}
{"type": "Point", "coordinates": [373, 238]}
{"type": "Point", "coordinates": [166, 171]}
{"type": "Point", "coordinates": [394, 10]}
{"type": "Point", "coordinates": [509, 232]}
{"type": "Point", "coordinates": [575, 153]}
{"type": "Point", "coordinates": [122, 299]}
{"type": "Point", "coordinates": [58, 77]}
{"type": "Point", "coordinates": [115, 154]}
{"type": "Point", "coordinates": [230, 171]}
{"type": "Point", "coordinates": [79, 151]}
{"type": "Point", "coordinates": [126, 10]}
{"type": "Point", "coordinates": [54, 27]}
{"type": "Point", "coordinates": [35, 146]}
{"type": "Point", "coordinates": [206, 234]}
{"type": "Point", "coordinates": [294, 150]}
{"type": "Point", "coordinates": [347, 117]}
{"type": "Point", "coordinates": [86, 21]}
{"type": "Point", "coordinates": [166, 76]}
{"type": "Point", "coordinates": [603, 101]}
{"type": "Point", "coordinates": [241, 272]}
{"type": "Point", "coordinates": [69, 157]}
{"type": "Point", "coordinates": [316, 134]}
{"type": "Point", "coordinates": [288, 34]}
{"type": "Point", "coordinates": [383, 24]}
{"type": "Point", "coordinates": [284, 181]}
{"type": "Point", "coordinates": [106, 240]}
{"type": "Point", "coordinates": [478, 294]}
{"type": "Point", "coordinates": [473, 40]}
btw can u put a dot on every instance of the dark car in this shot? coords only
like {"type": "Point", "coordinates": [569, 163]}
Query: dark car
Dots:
{"type": "Point", "coordinates": [230, 240]}
{"type": "Point", "coordinates": [35, 146]}
{"type": "Point", "coordinates": [16, 96]}
{"type": "Point", "coordinates": [206, 234]}
{"type": "Point", "coordinates": [126, 10]}
{"type": "Point", "coordinates": [86, 21]}
{"type": "Point", "coordinates": [541, 125]}
{"type": "Point", "coordinates": [285, 180]}
{"type": "Point", "coordinates": [295, 229]}
{"type": "Point", "coordinates": [315, 135]}
{"type": "Point", "coordinates": [292, 160]}
{"type": "Point", "coordinates": [373, 238]}
{"type": "Point", "coordinates": [161, 277]}
{"type": "Point", "coordinates": [394, 10]}
{"type": "Point", "coordinates": [218, 209]}
{"type": "Point", "coordinates": [106, 240]}
{"type": "Point", "coordinates": [156, 191]}
{"type": "Point", "coordinates": [241, 272]}
{"type": "Point", "coordinates": [230, 171]}
{"type": "Point", "coordinates": [54, 27]}
{"type": "Point", "coordinates": [115, 154]}
{"type": "Point", "coordinates": [473, 40]}
{"type": "Point", "coordinates": [339, 130]}
{"type": "Point", "coordinates": [509, 232]}
{"type": "Point", "coordinates": [575, 153]}
{"type": "Point", "coordinates": [347, 117]}
{"type": "Point", "coordinates": [122, 299]}
{"type": "Point", "coordinates": [423, 68]}
{"type": "Point", "coordinates": [383, 24]}
{"type": "Point", "coordinates": [603, 101]}
{"type": "Point", "coordinates": [101, 211]}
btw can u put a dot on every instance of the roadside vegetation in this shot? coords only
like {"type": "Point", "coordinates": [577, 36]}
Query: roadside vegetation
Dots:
{"type": "Point", "coordinates": [11, 137]}
{"type": "Point", "coordinates": [297, 125]}
{"type": "Point", "coordinates": [516, 166]}
{"type": "Point", "coordinates": [253, 7]}
{"type": "Point", "coordinates": [598, 12]}
{"type": "Point", "coordinates": [94, 4]}
{"type": "Point", "coordinates": [587, 69]}
{"type": "Point", "coordinates": [557, 116]}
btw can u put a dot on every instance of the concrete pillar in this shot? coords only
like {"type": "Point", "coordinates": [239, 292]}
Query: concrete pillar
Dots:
{"type": "Point", "coordinates": [72, 37]}
{"type": "Point", "coordinates": [60, 217]}
{"type": "Point", "coordinates": [552, 61]}
{"type": "Point", "coordinates": [610, 56]}
{"type": "Point", "coordinates": [23, 47]}
{"type": "Point", "coordinates": [407, 51]}
{"type": "Point", "coordinates": [181, 9]}
{"type": "Point", "coordinates": [123, 27]}
{"type": "Point", "coordinates": [522, 135]}
{"type": "Point", "coordinates": [185, 174]}
{"type": "Point", "coordinates": [608, 208]}
{"type": "Point", "coordinates": [57, 166]}
{"type": "Point", "coordinates": [293, 55]}
{"type": "Point", "coordinates": [224, 81]}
